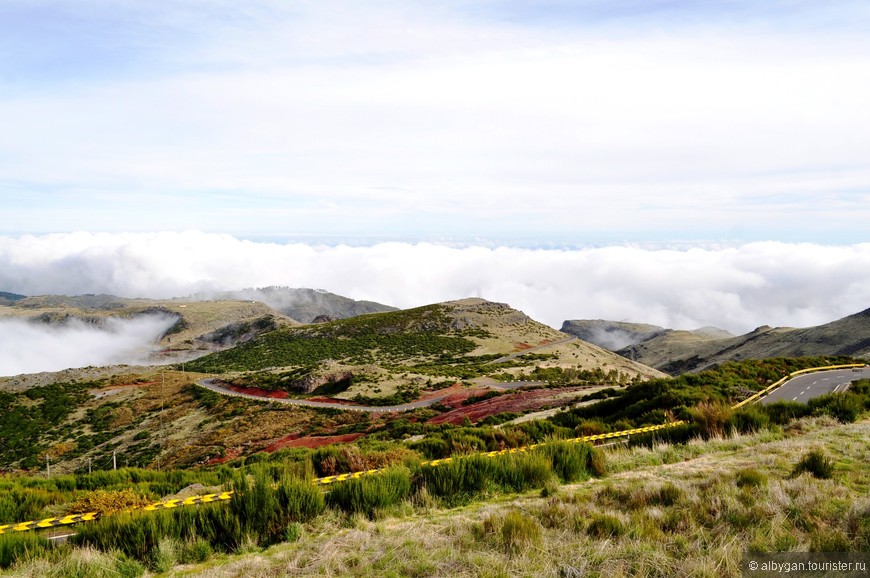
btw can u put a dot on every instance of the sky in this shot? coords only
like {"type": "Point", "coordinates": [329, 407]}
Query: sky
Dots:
{"type": "Point", "coordinates": [659, 161]}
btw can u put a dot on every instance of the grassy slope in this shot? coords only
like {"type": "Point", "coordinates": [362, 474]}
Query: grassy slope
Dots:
{"type": "Point", "coordinates": [687, 517]}
{"type": "Point", "coordinates": [847, 336]}
{"type": "Point", "coordinates": [447, 341]}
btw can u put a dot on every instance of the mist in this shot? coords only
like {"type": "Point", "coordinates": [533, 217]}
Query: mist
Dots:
{"type": "Point", "coordinates": [28, 347]}
{"type": "Point", "coordinates": [736, 288]}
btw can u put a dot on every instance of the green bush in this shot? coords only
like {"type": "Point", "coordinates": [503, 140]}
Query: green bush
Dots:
{"type": "Point", "coordinates": [751, 478]}
{"type": "Point", "coordinates": [843, 406]}
{"type": "Point", "coordinates": [605, 526]}
{"type": "Point", "coordinates": [750, 419]}
{"type": "Point", "coordinates": [371, 493]}
{"type": "Point", "coordinates": [782, 412]}
{"type": "Point", "coordinates": [514, 532]}
{"type": "Point", "coordinates": [816, 463]}
{"type": "Point", "coordinates": [16, 546]}
{"type": "Point", "coordinates": [197, 550]}
{"type": "Point", "coordinates": [570, 461]}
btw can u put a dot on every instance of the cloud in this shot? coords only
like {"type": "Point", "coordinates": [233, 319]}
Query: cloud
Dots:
{"type": "Point", "coordinates": [31, 347]}
{"type": "Point", "coordinates": [732, 287]}
{"type": "Point", "coordinates": [393, 117]}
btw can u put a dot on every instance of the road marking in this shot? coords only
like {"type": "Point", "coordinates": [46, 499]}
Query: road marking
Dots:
{"type": "Point", "coordinates": [825, 378]}
{"type": "Point", "coordinates": [794, 398]}
{"type": "Point", "coordinates": [836, 388]}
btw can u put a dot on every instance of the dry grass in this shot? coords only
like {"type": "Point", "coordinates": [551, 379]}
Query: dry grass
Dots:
{"type": "Point", "coordinates": [689, 517]}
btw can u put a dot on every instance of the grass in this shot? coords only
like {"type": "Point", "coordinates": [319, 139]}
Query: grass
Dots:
{"type": "Point", "coordinates": [693, 516]}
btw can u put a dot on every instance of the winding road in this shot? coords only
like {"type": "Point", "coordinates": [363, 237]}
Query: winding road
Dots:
{"type": "Point", "coordinates": [211, 385]}
{"type": "Point", "coordinates": [805, 387]}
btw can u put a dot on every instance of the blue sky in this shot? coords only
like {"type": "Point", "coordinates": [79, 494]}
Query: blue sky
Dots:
{"type": "Point", "coordinates": [500, 122]}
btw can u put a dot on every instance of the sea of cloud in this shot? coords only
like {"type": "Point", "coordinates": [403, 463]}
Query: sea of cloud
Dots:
{"type": "Point", "coordinates": [28, 347]}
{"type": "Point", "coordinates": [732, 287]}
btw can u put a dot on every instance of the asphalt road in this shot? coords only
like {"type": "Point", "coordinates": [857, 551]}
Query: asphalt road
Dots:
{"type": "Point", "coordinates": [805, 387]}
{"type": "Point", "coordinates": [211, 385]}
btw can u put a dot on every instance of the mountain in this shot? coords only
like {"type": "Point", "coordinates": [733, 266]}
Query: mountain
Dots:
{"type": "Point", "coordinates": [395, 351]}
{"type": "Point", "coordinates": [611, 335]}
{"type": "Point", "coordinates": [200, 326]}
{"type": "Point", "coordinates": [304, 305]}
{"type": "Point", "coordinates": [675, 353]}
{"type": "Point", "coordinates": [10, 298]}
{"type": "Point", "coordinates": [449, 352]}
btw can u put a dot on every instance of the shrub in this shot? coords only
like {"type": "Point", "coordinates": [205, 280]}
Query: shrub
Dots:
{"type": "Point", "coordinates": [570, 461]}
{"type": "Point", "coordinates": [164, 557]}
{"type": "Point", "coordinates": [300, 501]}
{"type": "Point", "coordinates": [712, 418]}
{"type": "Point", "coordinates": [667, 495]}
{"type": "Point", "coordinates": [816, 463]}
{"type": "Point", "coordinates": [843, 406]}
{"type": "Point", "coordinates": [605, 526]}
{"type": "Point", "coordinates": [751, 478]}
{"type": "Point", "coordinates": [197, 550]}
{"type": "Point", "coordinates": [750, 419]}
{"type": "Point", "coordinates": [782, 412]}
{"type": "Point", "coordinates": [514, 532]}
{"type": "Point", "coordinates": [108, 502]}
{"type": "Point", "coordinates": [371, 493]}
{"type": "Point", "coordinates": [519, 531]}
{"type": "Point", "coordinates": [17, 546]}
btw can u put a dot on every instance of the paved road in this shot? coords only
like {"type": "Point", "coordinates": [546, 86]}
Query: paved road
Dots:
{"type": "Point", "coordinates": [211, 385]}
{"type": "Point", "coordinates": [805, 387]}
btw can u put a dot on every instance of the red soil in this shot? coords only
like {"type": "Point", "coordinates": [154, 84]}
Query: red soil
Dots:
{"type": "Point", "coordinates": [230, 454]}
{"type": "Point", "coordinates": [518, 402]}
{"type": "Point", "coordinates": [294, 441]}
{"type": "Point", "coordinates": [258, 392]}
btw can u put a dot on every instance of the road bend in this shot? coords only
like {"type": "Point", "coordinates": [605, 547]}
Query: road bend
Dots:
{"type": "Point", "coordinates": [805, 387]}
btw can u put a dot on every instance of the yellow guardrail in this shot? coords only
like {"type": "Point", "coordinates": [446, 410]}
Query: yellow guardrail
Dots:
{"type": "Point", "coordinates": [326, 480]}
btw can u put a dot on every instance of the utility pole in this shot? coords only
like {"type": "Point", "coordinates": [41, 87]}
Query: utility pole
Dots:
{"type": "Point", "coordinates": [47, 467]}
{"type": "Point", "coordinates": [114, 459]}
{"type": "Point", "coordinates": [89, 465]}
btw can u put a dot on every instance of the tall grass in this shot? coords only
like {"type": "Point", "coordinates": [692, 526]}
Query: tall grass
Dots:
{"type": "Point", "coordinates": [369, 494]}
{"type": "Point", "coordinates": [259, 512]}
{"type": "Point", "coordinates": [21, 546]}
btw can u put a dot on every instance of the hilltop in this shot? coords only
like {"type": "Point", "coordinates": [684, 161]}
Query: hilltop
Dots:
{"type": "Point", "coordinates": [302, 304]}
{"type": "Point", "coordinates": [389, 352]}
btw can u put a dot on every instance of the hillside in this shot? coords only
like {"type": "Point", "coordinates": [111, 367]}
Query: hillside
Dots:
{"type": "Point", "coordinates": [675, 353]}
{"type": "Point", "coordinates": [200, 327]}
{"type": "Point", "coordinates": [303, 305]}
{"type": "Point", "coordinates": [381, 353]}
{"type": "Point", "coordinates": [456, 352]}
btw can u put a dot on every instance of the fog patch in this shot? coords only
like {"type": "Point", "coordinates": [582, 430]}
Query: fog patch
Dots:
{"type": "Point", "coordinates": [29, 347]}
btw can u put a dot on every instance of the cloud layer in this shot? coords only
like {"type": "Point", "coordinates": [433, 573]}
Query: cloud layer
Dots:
{"type": "Point", "coordinates": [31, 347]}
{"type": "Point", "coordinates": [736, 288]}
{"type": "Point", "coordinates": [616, 120]}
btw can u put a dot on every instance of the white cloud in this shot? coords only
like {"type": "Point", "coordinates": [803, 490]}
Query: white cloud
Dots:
{"type": "Point", "coordinates": [30, 347]}
{"type": "Point", "coordinates": [339, 117]}
{"type": "Point", "coordinates": [735, 288]}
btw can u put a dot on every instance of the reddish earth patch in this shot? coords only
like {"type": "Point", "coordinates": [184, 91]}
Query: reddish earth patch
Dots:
{"type": "Point", "coordinates": [521, 346]}
{"type": "Point", "coordinates": [294, 441]}
{"type": "Point", "coordinates": [258, 392]}
{"type": "Point", "coordinates": [518, 402]}
{"type": "Point", "coordinates": [456, 398]}
{"type": "Point", "coordinates": [229, 454]}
